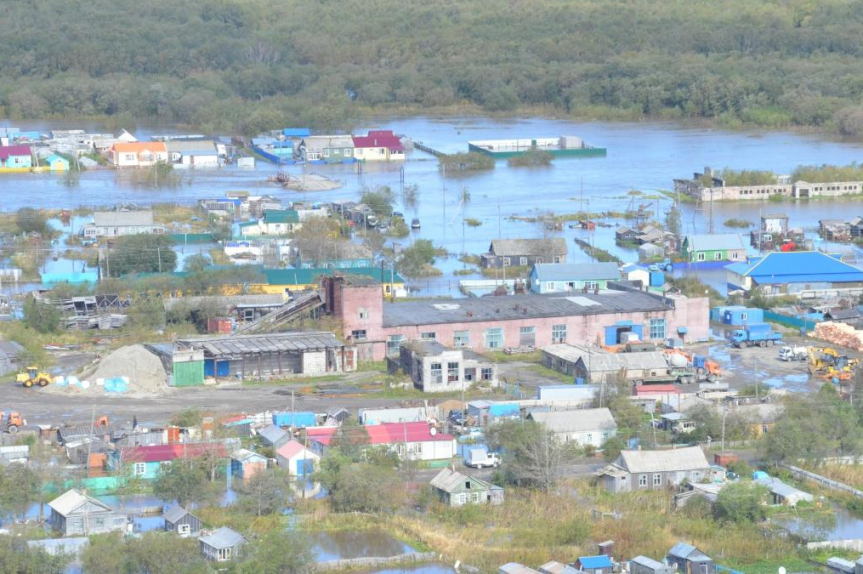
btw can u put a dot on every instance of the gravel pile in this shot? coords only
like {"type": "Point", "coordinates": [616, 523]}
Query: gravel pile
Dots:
{"type": "Point", "coordinates": [144, 371]}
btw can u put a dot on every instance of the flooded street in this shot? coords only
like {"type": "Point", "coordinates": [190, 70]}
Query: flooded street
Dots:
{"type": "Point", "coordinates": [643, 156]}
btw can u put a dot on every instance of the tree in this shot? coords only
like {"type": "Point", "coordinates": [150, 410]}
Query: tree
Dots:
{"type": "Point", "coordinates": [672, 220]}
{"type": "Point", "coordinates": [165, 553]}
{"type": "Point", "coordinates": [105, 553]}
{"type": "Point", "coordinates": [18, 558]}
{"type": "Point", "coordinates": [364, 487]}
{"type": "Point", "coordinates": [29, 220]}
{"type": "Point", "coordinates": [142, 253]}
{"type": "Point", "coordinates": [534, 456]}
{"type": "Point", "coordinates": [197, 263]}
{"type": "Point", "coordinates": [279, 551]}
{"type": "Point", "coordinates": [148, 312]}
{"type": "Point", "coordinates": [380, 199]}
{"type": "Point", "coordinates": [187, 418]}
{"type": "Point", "coordinates": [181, 480]}
{"type": "Point", "coordinates": [741, 502]}
{"type": "Point", "coordinates": [265, 493]}
{"type": "Point", "coordinates": [416, 258]}
{"type": "Point", "coordinates": [351, 440]}
{"type": "Point", "coordinates": [319, 239]}
{"type": "Point", "coordinates": [19, 487]}
{"type": "Point", "coordinates": [41, 317]}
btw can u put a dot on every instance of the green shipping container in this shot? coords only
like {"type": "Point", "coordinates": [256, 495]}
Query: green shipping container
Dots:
{"type": "Point", "coordinates": [189, 374]}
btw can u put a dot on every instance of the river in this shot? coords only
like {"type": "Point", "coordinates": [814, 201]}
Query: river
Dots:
{"type": "Point", "coordinates": [643, 156]}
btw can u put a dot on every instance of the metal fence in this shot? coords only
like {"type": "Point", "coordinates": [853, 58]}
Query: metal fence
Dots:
{"type": "Point", "coordinates": [829, 483]}
{"type": "Point", "coordinates": [794, 322]}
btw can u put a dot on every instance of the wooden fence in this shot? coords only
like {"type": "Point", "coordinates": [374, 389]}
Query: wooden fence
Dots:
{"type": "Point", "coordinates": [822, 480]}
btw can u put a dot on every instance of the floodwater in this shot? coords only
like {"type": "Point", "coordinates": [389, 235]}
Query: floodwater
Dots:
{"type": "Point", "coordinates": [424, 569]}
{"type": "Point", "coordinates": [346, 544]}
{"type": "Point", "coordinates": [643, 156]}
{"type": "Point", "coordinates": [841, 524]}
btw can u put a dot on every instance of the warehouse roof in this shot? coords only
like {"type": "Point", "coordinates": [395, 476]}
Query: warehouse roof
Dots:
{"type": "Point", "coordinates": [718, 242]}
{"type": "Point", "coordinates": [585, 420]}
{"type": "Point", "coordinates": [597, 363]}
{"type": "Point", "coordinates": [680, 459]}
{"type": "Point", "coordinates": [123, 218]}
{"type": "Point", "coordinates": [224, 347]}
{"type": "Point", "coordinates": [516, 247]}
{"type": "Point", "coordinates": [797, 267]}
{"type": "Point", "coordinates": [572, 352]}
{"type": "Point", "coordinates": [576, 271]}
{"type": "Point", "coordinates": [311, 276]}
{"type": "Point", "coordinates": [513, 307]}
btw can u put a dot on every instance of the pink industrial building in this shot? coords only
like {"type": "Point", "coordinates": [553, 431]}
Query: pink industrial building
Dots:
{"type": "Point", "coordinates": [377, 328]}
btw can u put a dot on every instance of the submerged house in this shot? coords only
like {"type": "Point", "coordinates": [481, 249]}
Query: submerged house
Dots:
{"type": "Point", "coordinates": [327, 149]}
{"type": "Point", "coordinates": [76, 514]}
{"type": "Point", "coordinates": [16, 156]}
{"type": "Point", "coordinates": [222, 545]}
{"type": "Point", "coordinates": [721, 247]}
{"type": "Point", "coordinates": [119, 223]}
{"type": "Point", "coordinates": [181, 522]}
{"type": "Point", "coordinates": [523, 252]}
{"type": "Point", "coordinates": [456, 489]}
{"type": "Point", "coordinates": [137, 154]}
{"type": "Point", "coordinates": [572, 277]}
{"type": "Point", "coordinates": [379, 145]}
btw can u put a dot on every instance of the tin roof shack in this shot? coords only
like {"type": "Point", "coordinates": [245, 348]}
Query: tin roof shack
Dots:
{"type": "Point", "coordinates": [632, 367]}
{"type": "Point", "coordinates": [599, 564]}
{"type": "Point", "coordinates": [181, 522]}
{"type": "Point", "coordinates": [10, 351]}
{"type": "Point", "coordinates": [410, 441]}
{"type": "Point", "coordinates": [655, 469]}
{"type": "Point", "coordinates": [117, 223]}
{"type": "Point", "coordinates": [840, 566]}
{"type": "Point", "coordinates": [297, 459]}
{"type": "Point", "coordinates": [586, 427]}
{"type": "Point", "coordinates": [273, 436]}
{"type": "Point", "coordinates": [707, 248]}
{"type": "Point", "coordinates": [222, 545]}
{"type": "Point", "coordinates": [782, 493]}
{"type": "Point", "coordinates": [327, 149]}
{"type": "Point", "coordinates": [645, 565]}
{"type": "Point", "coordinates": [76, 514]}
{"type": "Point", "coordinates": [555, 567]}
{"type": "Point", "coordinates": [245, 464]}
{"type": "Point", "coordinates": [497, 322]}
{"type": "Point", "coordinates": [563, 358]}
{"type": "Point", "coordinates": [456, 489]}
{"type": "Point", "coordinates": [273, 355]}
{"type": "Point", "coordinates": [434, 368]}
{"type": "Point", "coordinates": [393, 415]}
{"type": "Point", "coordinates": [678, 423]}
{"type": "Point", "coordinates": [572, 277]}
{"type": "Point", "coordinates": [800, 273]}
{"type": "Point", "coordinates": [515, 568]}
{"type": "Point", "coordinates": [523, 252]}
{"type": "Point", "coordinates": [690, 560]}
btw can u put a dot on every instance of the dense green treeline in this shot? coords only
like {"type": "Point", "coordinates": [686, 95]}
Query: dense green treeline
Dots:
{"type": "Point", "coordinates": [250, 64]}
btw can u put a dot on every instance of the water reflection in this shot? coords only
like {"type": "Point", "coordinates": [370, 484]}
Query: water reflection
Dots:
{"type": "Point", "coordinates": [841, 524]}
{"type": "Point", "coordinates": [343, 544]}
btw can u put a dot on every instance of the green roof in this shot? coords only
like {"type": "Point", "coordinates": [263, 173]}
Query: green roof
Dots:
{"type": "Point", "coordinates": [310, 276]}
{"type": "Point", "coordinates": [281, 216]}
{"type": "Point", "coordinates": [248, 223]}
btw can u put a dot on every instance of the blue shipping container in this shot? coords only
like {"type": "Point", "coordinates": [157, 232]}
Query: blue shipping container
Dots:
{"type": "Point", "coordinates": [742, 315]}
{"type": "Point", "coordinates": [296, 420]}
{"type": "Point", "coordinates": [657, 278]}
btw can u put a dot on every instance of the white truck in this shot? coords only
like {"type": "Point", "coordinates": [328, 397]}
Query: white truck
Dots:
{"type": "Point", "coordinates": [793, 354]}
{"type": "Point", "coordinates": [481, 458]}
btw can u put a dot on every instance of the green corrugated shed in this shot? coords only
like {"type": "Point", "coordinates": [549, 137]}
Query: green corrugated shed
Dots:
{"type": "Point", "coordinates": [189, 374]}
{"type": "Point", "coordinates": [281, 216]}
{"type": "Point", "coordinates": [311, 276]}
{"type": "Point", "coordinates": [183, 238]}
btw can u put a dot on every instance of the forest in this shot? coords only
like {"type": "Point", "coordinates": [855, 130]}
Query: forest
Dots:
{"type": "Point", "coordinates": [249, 65]}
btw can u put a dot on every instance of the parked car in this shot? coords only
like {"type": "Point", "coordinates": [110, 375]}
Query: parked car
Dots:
{"type": "Point", "coordinates": [481, 458]}
{"type": "Point", "coordinates": [793, 354]}
{"type": "Point", "coordinates": [456, 417]}
{"type": "Point", "coordinates": [415, 223]}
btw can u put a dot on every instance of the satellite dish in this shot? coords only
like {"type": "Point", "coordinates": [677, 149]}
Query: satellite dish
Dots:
{"type": "Point", "coordinates": [782, 570]}
{"type": "Point", "coordinates": [433, 431]}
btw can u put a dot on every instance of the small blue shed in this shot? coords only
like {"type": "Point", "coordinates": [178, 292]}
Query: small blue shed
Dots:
{"type": "Point", "coordinates": [504, 410]}
{"type": "Point", "coordinates": [296, 132]}
{"type": "Point", "coordinates": [296, 420]}
{"type": "Point", "coordinates": [738, 316]}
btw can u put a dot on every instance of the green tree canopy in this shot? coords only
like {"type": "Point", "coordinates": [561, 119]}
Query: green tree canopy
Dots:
{"type": "Point", "coordinates": [181, 480]}
{"type": "Point", "coordinates": [142, 253]}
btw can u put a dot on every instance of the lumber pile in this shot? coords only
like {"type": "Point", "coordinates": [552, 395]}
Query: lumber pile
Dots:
{"type": "Point", "coordinates": [840, 334]}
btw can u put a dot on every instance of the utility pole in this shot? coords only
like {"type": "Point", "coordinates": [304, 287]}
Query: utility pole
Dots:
{"type": "Point", "coordinates": [159, 253]}
{"type": "Point", "coordinates": [724, 416]}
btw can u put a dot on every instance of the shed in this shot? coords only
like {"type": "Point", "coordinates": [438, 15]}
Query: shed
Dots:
{"type": "Point", "coordinates": [297, 420]}
{"type": "Point", "coordinates": [599, 564]}
{"type": "Point", "coordinates": [57, 162]}
{"type": "Point", "coordinates": [555, 567]}
{"type": "Point", "coordinates": [222, 545]}
{"type": "Point", "coordinates": [456, 489]}
{"type": "Point", "coordinates": [515, 568]}
{"type": "Point", "coordinates": [245, 464]}
{"type": "Point", "coordinates": [840, 566]}
{"type": "Point", "coordinates": [181, 521]}
{"type": "Point", "coordinates": [690, 560]}
{"type": "Point", "coordinates": [645, 565]}
{"type": "Point", "coordinates": [274, 436]}
{"type": "Point", "coordinates": [650, 252]}
{"type": "Point", "coordinates": [296, 459]}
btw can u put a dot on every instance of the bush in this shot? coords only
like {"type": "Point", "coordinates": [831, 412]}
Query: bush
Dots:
{"type": "Point", "coordinates": [470, 161]}
{"type": "Point", "coordinates": [42, 317]}
{"type": "Point", "coordinates": [531, 158]}
{"type": "Point", "coordinates": [741, 502]}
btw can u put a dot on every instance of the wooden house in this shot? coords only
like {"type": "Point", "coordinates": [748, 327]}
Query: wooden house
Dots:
{"type": "Point", "coordinates": [456, 489]}
{"type": "Point", "coordinates": [181, 522]}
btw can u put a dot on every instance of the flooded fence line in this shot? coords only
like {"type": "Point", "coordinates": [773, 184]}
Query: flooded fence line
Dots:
{"type": "Point", "coordinates": [822, 480]}
{"type": "Point", "coordinates": [375, 561]}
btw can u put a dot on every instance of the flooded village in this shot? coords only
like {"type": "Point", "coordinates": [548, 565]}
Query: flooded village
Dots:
{"type": "Point", "coordinates": [432, 346]}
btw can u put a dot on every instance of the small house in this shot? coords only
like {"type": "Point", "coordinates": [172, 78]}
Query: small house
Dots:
{"type": "Point", "coordinates": [781, 493]}
{"type": "Point", "coordinates": [181, 522]}
{"type": "Point", "coordinates": [434, 368]}
{"type": "Point", "coordinates": [137, 154]}
{"type": "Point", "coordinates": [298, 460]}
{"type": "Point", "coordinates": [327, 149]}
{"type": "Point", "coordinates": [456, 489]}
{"type": "Point", "coordinates": [650, 252]}
{"type": "Point", "coordinates": [274, 436]}
{"type": "Point", "coordinates": [599, 564]}
{"type": "Point", "coordinates": [713, 248]}
{"type": "Point", "coordinates": [279, 222]}
{"type": "Point", "coordinates": [409, 441]}
{"type": "Point", "coordinates": [57, 162]}
{"type": "Point", "coordinates": [572, 277]}
{"type": "Point", "coordinates": [117, 223]}
{"type": "Point", "coordinates": [245, 464]}
{"type": "Point", "coordinates": [655, 469]}
{"type": "Point", "coordinates": [690, 560]}
{"type": "Point", "coordinates": [379, 145]}
{"type": "Point", "coordinates": [524, 252]}
{"type": "Point", "coordinates": [585, 427]}
{"type": "Point", "coordinates": [193, 153]}
{"type": "Point", "coordinates": [77, 514]}
{"type": "Point", "coordinates": [145, 462]}
{"type": "Point", "coordinates": [678, 423]}
{"type": "Point", "coordinates": [335, 416]}
{"type": "Point", "coordinates": [222, 545]}
{"type": "Point", "coordinates": [645, 565]}
{"type": "Point", "coordinates": [16, 156]}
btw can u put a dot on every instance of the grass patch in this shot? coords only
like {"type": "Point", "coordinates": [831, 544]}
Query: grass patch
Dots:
{"type": "Point", "coordinates": [471, 222]}
{"type": "Point", "coordinates": [468, 271]}
{"type": "Point", "coordinates": [501, 357]}
{"type": "Point", "coordinates": [302, 381]}
{"type": "Point", "coordinates": [544, 371]}
{"type": "Point", "coordinates": [738, 223]}
{"type": "Point", "coordinates": [372, 366]}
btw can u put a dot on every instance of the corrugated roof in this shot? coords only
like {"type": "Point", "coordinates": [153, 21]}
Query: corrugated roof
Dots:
{"type": "Point", "coordinates": [689, 552]}
{"type": "Point", "coordinates": [584, 420]}
{"type": "Point", "coordinates": [71, 500]}
{"type": "Point", "coordinates": [319, 143]}
{"type": "Point", "coordinates": [595, 562]}
{"type": "Point", "coordinates": [292, 448]}
{"type": "Point", "coordinates": [516, 568]}
{"type": "Point", "coordinates": [512, 307]}
{"type": "Point", "coordinates": [237, 345]}
{"type": "Point", "coordinates": [200, 147]}
{"type": "Point", "coordinates": [379, 138]}
{"type": "Point", "coordinates": [449, 480]}
{"type": "Point", "coordinates": [224, 537]}
{"type": "Point", "coordinates": [123, 218]}
{"type": "Point", "coordinates": [175, 513]}
{"type": "Point", "coordinates": [680, 459]}
{"type": "Point", "coordinates": [387, 433]}
{"type": "Point", "coordinates": [169, 452]}
{"type": "Point", "coordinates": [272, 434]}
{"type": "Point", "coordinates": [572, 352]}
{"type": "Point", "coordinates": [718, 242]}
{"type": "Point", "coordinates": [245, 455]}
{"type": "Point", "coordinates": [576, 271]}
{"type": "Point", "coordinates": [528, 247]}
{"type": "Point", "coordinates": [6, 151]}
{"type": "Point", "coordinates": [311, 276]}
{"type": "Point", "coordinates": [648, 562]}
{"type": "Point", "coordinates": [281, 216]}
{"type": "Point", "coordinates": [798, 267]}
{"type": "Point", "coordinates": [648, 360]}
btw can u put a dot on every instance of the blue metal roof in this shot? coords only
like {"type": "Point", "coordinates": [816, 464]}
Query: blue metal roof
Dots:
{"type": "Point", "coordinates": [798, 267]}
{"type": "Point", "coordinates": [593, 562]}
{"type": "Point", "coordinates": [504, 410]}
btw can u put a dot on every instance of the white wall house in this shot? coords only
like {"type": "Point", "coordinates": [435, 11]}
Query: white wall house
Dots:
{"type": "Point", "coordinates": [587, 427]}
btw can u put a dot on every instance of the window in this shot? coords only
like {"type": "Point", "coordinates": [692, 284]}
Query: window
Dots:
{"type": "Point", "coordinates": [452, 370]}
{"type": "Point", "coordinates": [506, 261]}
{"type": "Point", "coordinates": [430, 336]}
{"type": "Point", "coordinates": [642, 480]}
{"type": "Point", "coordinates": [436, 373]}
{"type": "Point", "coordinates": [486, 374]}
{"type": "Point", "coordinates": [461, 339]}
{"type": "Point", "coordinates": [558, 259]}
{"type": "Point", "coordinates": [359, 334]}
{"type": "Point", "coordinates": [549, 285]}
{"type": "Point", "coordinates": [364, 313]}
{"type": "Point", "coordinates": [765, 428]}
{"type": "Point", "coordinates": [522, 261]}
{"type": "Point", "coordinates": [347, 151]}
{"type": "Point", "coordinates": [744, 317]}
{"type": "Point", "coordinates": [591, 285]}
{"type": "Point", "coordinates": [99, 522]}
{"type": "Point", "coordinates": [140, 468]}
{"type": "Point", "coordinates": [657, 328]}
{"type": "Point", "coordinates": [657, 479]}
{"type": "Point", "coordinates": [469, 375]}
{"type": "Point", "coordinates": [527, 336]}
{"type": "Point", "coordinates": [589, 439]}
{"type": "Point", "coordinates": [700, 257]}
{"type": "Point", "coordinates": [494, 338]}
{"type": "Point", "coordinates": [418, 448]}
{"type": "Point", "coordinates": [717, 256]}
{"type": "Point", "coordinates": [326, 153]}
{"type": "Point", "coordinates": [393, 344]}
{"type": "Point", "coordinates": [475, 497]}
{"type": "Point", "coordinates": [538, 261]}
{"type": "Point", "coordinates": [558, 334]}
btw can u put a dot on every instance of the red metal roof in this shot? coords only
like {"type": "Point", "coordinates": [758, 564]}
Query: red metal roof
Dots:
{"type": "Point", "coordinates": [9, 150]}
{"type": "Point", "coordinates": [655, 390]}
{"type": "Point", "coordinates": [379, 138]}
{"type": "Point", "coordinates": [387, 433]}
{"type": "Point", "coordinates": [169, 452]}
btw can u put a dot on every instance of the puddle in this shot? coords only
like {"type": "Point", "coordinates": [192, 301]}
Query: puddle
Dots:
{"type": "Point", "coordinates": [345, 544]}
{"type": "Point", "coordinates": [841, 524]}
{"type": "Point", "coordinates": [425, 569]}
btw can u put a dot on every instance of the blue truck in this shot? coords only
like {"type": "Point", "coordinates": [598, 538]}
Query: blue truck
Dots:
{"type": "Point", "coordinates": [756, 334]}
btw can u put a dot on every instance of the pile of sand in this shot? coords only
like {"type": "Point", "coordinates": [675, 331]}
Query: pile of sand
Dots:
{"type": "Point", "coordinates": [312, 182]}
{"type": "Point", "coordinates": [143, 369]}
